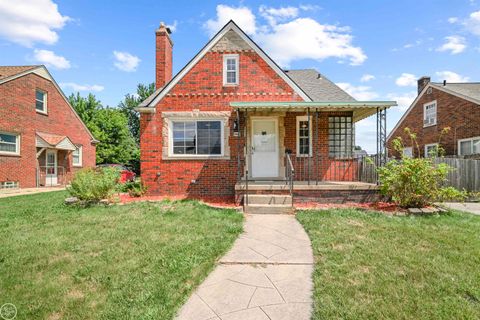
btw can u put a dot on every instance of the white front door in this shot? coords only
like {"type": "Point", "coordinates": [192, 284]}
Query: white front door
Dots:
{"type": "Point", "coordinates": [265, 148]}
{"type": "Point", "coordinates": [51, 167]}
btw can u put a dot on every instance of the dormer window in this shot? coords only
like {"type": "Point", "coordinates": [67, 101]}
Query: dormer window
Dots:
{"type": "Point", "coordinates": [230, 70]}
{"type": "Point", "coordinates": [40, 101]}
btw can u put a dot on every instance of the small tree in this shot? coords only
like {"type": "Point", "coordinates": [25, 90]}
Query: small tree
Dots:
{"type": "Point", "coordinates": [415, 182]}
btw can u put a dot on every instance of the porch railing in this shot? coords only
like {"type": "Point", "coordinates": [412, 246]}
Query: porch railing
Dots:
{"type": "Point", "coordinates": [48, 176]}
{"type": "Point", "coordinates": [289, 173]}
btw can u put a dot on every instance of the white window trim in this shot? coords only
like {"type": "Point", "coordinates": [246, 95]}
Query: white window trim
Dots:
{"type": "Point", "coordinates": [195, 156]}
{"type": "Point", "coordinates": [304, 118]}
{"type": "Point", "coordinates": [425, 105]}
{"type": "Point", "coordinates": [45, 99]}
{"type": "Point", "coordinates": [425, 153]}
{"type": "Point", "coordinates": [80, 157]}
{"type": "Point", "coordinates": [16, 153]}
{"type": "Point", "coordinates": [463, 140]}
{"type": "Point", "coordinates": [237, 73]}
{"type": "Point", "coordinates": [411, 152]}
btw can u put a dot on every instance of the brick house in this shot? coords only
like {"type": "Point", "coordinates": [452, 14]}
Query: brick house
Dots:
{"type": "Point", "coordinates": [42, 139]}
{"type": "Point", "coordinates": [232, 119]}
{"type": "Point", "coordinates": [437, 106]}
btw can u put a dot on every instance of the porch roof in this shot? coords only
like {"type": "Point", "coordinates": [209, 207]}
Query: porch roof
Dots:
{"type": "Point", "coordinates": [360, 109]}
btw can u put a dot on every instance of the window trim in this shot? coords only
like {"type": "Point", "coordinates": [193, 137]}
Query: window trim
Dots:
{"type": "Point", "coordinates": [425, 105]}
{"type": "Point", "coordinates": [195, 156]}
{"type": "Point", "coordinates": [425, 153]}
{"type": "Point", "coordinates": [45, 101]}
{"type": "Point", "coordinates": [80, 157]}
{"type": "Point", "coordinates": [310, 153]}
{"type": "Point", "coordinates": [237, 71]}
{"type": "Point", "coordinates": [18, 138]}
{"type": "Point", "coordinates": [463, 140]}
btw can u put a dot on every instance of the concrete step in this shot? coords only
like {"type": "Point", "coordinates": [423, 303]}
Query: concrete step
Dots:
{"type": "Point", "coordinates": [269, 199]}
{"type": "Point", "coordinates": [269, 209]}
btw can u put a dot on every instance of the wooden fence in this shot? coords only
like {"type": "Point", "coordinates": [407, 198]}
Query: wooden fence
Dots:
{"type": "Point", "coordinates": [465, 173]}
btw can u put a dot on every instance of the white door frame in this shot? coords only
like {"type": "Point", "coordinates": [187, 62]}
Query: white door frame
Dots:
{"type": "Point", "coordinates": [277, 145]}
{"type": "Point", "coordinates": [51, 179]}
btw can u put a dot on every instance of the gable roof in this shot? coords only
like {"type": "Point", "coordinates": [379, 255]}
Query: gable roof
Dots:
{"type": "Point", "coordinates": [231, 25]}
{"type": "Point", "coordinates": [13, 72]}
{"type": "Point", "coordinates": [48, 140]}
{"type": "Point", "coordinates": [469, 91]}
{"type": "Point", "coordinates": [317, 86]}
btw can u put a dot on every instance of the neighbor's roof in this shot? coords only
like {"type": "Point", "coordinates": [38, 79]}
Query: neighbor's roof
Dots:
{"type": "Point", "coordinates": [8, 71]}
{"type": "Point", "coordinates": [467, 89]}
{"type": "Point", "coordinates": [317, 86]}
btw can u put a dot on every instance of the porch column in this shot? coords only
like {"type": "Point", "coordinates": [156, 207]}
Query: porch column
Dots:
{"type": "Point", "coordinates": [239, 136]}
{"type": "Point", "coordinates": [381, 136]}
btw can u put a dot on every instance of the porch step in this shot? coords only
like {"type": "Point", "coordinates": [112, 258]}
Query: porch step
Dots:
{"type": "Point", "coordinates": [269, 199]}
{"type": "Point", "coordinates": [269, 209]}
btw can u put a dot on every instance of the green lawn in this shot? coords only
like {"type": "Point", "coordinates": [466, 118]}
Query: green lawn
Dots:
{"type": "Point", "coordinates": [138, 261]}
{"type": "Point", "coordinates": [371, 266]}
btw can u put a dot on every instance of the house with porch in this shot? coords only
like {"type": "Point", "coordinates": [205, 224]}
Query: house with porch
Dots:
{"type": "Point", "coordinates": [42, 139]}
{"type": "Point", "coordinates": [233, 126]}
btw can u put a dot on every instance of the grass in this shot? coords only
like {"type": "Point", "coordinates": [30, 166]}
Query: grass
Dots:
{"type": "Point", "coordinates": [138, 261]}
{"type": "Point", "coordinates": [371, 266]}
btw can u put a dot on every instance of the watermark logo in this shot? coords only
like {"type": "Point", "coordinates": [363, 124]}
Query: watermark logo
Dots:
{"type": "Point", "coordinates": [8, 311]}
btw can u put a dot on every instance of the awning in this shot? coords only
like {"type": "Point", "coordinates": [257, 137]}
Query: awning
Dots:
{"type": "Point", "coordinates": [48, 140]}
{"type": "Point", "coordinates": [360, 109]}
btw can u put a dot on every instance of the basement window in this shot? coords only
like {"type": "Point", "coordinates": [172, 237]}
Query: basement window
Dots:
{"type": "Point", "coordinates": [196, 138]}
{"type": "Point", "coordinates": [9, 185]}
{"type": "Point", "coordinates": [230, 70]}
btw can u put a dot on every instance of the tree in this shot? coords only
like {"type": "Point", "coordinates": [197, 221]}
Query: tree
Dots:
{"type": "Point", "coordinates": [130, 102]}
{"type": "Point", "coordinates": [86, 108]}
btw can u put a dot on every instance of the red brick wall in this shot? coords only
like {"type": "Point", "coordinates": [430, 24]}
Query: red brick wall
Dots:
{"type": "Point", "coordinates": [460, 115]}
{"type": "Point", "coordinates": [18, 115]}
{"type": "Point", "coordinates": [213, 178]}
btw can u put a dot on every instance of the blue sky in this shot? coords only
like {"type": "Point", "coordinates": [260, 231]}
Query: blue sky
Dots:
{"type": "Point", "coordinates": [374, 49]}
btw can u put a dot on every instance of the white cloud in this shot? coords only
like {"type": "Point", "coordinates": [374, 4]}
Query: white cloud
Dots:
{"type": "Point", "coordinates": [306, 37]}
{"type": "Point", "coordinates": [406, 80]}
{"type": "Point", "coordinates": [404, 100]}
{"type": "Point", "coordinates": [367, 77]}
{"type": "Point", "coordinates": [362, 93]}
{"type": "Point", "coordinates": [242, 16]}
{"type": "Point", "coordinates": [473, 23]}
{"type": "Point", "coordinates": [50, 59]}
{"type": "Point", "coordinates": [29, 21]}
{"type": "Point", "coordinates": [452, 20]}
{"type": "Point", "coordinates": [82, 87]}
{"type": "Point", "coordinates": [126, 61]}
{"type": "Point", "coordinates": [451, 76]}
{"type": "Point", "coordinates": [454, 44]}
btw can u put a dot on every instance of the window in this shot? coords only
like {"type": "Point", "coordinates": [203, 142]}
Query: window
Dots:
{"type": "Point", "coordinates": [200, 137]}
{"type": "Point", "coordinates": [304, 143]}
{"type": "Point", "coordinates": [77, 157]}
{"type": "Point", "coordinates": [430, 114]}
{"type": "Point", "coordinates": [9, 143]}
{"type": "Point", "coordinates": [41, 101]}
{"type": "Point", "coordinates": [8, 184]}
{"type": "Point", "coordinates": [408, 152]}
{"type": "Point", "coordinates": [431, 150]}
{"type": "Point", "coordinates": [340, 136]}
{"type": "Point", "coordinates": [469, 146]}
{"type": "Point", "coordinates": [230, 69]}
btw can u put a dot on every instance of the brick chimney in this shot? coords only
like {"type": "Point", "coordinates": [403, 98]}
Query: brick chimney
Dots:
{"type": "Point", "coordinates": [163, 56]}
{"type": "Point", "coordinates": [422, 83]}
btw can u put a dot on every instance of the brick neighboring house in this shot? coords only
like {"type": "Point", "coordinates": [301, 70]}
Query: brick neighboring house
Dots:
{"type": "Point", "coordinates": [42, 139]}
{"type": "Point", "coordinates": [437, 106]}
{"type": "Point", "coordinates": [232, 114]}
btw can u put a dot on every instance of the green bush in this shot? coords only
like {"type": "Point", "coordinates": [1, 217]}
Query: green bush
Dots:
{"type": "Point", "coordinates": [134, 188]}
{"type": "Point", "coordinates": [94, 185]}
{"type": "Point", "coordinates": [415, 182]}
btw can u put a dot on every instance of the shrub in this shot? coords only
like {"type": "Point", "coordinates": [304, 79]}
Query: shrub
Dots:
{"type": "Point", "coordinates": [134, 188]}
{"type": "Point", "coordinates": [415, 182]}
{"type": "Point", "coordinates": [94, 185]}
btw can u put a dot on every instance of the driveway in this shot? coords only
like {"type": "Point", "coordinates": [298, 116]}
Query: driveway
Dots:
{"type": "Point", "coordinates": [472, 207]}
{"type": "Point", "coordinates": [267, 275]}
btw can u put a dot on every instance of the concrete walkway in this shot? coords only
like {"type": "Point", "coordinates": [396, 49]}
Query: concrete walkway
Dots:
{"type": "Point", "coordinates": [21, 192]}
{"type": "Point", "coordinates": [267, 275]}
{"type": "Point", "coordinates": [472, 207]}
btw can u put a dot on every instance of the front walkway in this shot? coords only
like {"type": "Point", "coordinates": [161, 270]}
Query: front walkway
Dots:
{"type": "Point", "coordinates": [472, 207]}
{"type": "Point", "coordinates": [267, 275]}
{"type": "Point", "coordinates": [20, 192]}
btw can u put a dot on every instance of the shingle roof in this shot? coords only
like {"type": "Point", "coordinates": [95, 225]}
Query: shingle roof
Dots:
{"type": "Point", "coordinates": [470, 89]}
{"type": "Point", "coordinates": [317, 86]}
{"type": "Point", "coordinates": [8, 71]}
